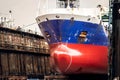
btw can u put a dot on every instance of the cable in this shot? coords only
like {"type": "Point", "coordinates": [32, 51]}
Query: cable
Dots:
{"type": "Point", "coordinates": [29, 25]}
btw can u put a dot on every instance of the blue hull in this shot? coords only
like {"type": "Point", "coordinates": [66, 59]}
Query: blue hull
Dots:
{"type": "Point", "coordinates": [68, 31]}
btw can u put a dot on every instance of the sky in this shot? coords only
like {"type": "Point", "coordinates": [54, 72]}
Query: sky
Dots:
{"type": "Point", "coordinates": [24, 12]}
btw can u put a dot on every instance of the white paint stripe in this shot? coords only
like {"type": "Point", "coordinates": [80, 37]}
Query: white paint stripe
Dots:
{"type": "Point", "coordinates": [67, 17]}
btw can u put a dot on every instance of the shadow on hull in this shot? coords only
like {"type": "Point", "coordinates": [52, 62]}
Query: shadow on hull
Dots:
{"type": "Point", "coordinates": [88, 77]}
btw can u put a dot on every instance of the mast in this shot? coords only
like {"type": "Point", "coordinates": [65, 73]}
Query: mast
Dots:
{"type": "Point", "coordinates": [68, 4]}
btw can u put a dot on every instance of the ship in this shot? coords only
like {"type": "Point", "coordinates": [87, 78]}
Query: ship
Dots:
{"type": "Point", "coordinates": [78, 42]}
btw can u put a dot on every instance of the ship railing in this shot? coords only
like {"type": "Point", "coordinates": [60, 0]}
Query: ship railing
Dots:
{"type": "Point", "coordinates": [10, 46]}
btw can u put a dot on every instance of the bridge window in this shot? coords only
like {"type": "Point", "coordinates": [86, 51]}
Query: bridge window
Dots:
{"type": "Point", "coordinates": [65, 3]}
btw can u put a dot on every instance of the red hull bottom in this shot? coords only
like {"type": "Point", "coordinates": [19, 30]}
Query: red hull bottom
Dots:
{"type": "Point", "coordinates": [79, 58]}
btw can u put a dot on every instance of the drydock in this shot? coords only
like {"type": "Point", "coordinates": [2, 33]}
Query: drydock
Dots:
{"type": "Point", "coordinates": [22, 54]}
{"type": "Point", "coordinates": [27, 55]}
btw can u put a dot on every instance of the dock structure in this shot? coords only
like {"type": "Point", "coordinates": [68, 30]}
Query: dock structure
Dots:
{"type": "Point", "coordinates": [115, 41]}
{"type": "Point", "coordinates": [22, 55]}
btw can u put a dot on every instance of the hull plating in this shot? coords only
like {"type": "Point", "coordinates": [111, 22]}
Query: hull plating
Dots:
{"type": "Point", "coordinates": [73, 54]}
{"type": "Point", "coordinates": [79, 58]}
